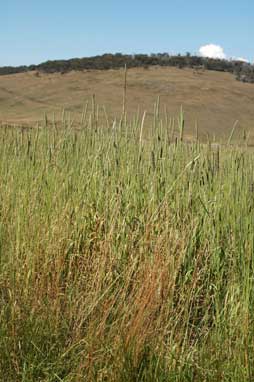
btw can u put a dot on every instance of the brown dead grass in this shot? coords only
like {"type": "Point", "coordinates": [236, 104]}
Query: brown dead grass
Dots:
{"type": "Point", "coordinates": [216, 100]}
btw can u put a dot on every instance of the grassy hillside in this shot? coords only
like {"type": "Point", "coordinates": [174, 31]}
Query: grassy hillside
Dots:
{"type": "Point", "coordinates": [216, 100]}
{"type": "Point", "coordinates": [124, 257]}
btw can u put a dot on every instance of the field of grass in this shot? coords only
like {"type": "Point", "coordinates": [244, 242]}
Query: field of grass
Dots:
{"type": "Point", "coordinates": [126, 254]}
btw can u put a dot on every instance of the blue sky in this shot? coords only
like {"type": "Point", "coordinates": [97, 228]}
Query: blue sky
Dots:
{"type": "Point", "coordinates": [33, 31]}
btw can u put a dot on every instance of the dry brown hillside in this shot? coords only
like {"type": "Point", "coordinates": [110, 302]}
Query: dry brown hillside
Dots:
{"type": "Point", "coordinates": [216, 100]}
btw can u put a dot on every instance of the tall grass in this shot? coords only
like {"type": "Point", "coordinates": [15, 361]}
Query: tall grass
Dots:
{"type": "Point", "coordinates": [125, 254]}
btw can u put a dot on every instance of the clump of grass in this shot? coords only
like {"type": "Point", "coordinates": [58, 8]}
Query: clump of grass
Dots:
{"type": "Point", "coordinates": [125, 254]}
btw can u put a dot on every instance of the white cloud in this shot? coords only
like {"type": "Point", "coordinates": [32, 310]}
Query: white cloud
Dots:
{"type": "Point", "coordinates": [212, 51]}
{"type": "Point", "coordinates": [241, 59]}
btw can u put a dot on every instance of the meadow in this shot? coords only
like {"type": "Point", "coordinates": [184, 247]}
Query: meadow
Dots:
{"type": "Point", "coordinates": [126, 252]}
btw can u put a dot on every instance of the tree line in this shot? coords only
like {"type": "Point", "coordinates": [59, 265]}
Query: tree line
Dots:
{"type": "Point", "coordinates": [242, 71]}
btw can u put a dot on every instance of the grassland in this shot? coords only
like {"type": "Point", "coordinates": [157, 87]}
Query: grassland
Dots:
{"type": "Point", "coordinates": [215, 100]}
{"type": "Point", "coordinates": [126, 254]}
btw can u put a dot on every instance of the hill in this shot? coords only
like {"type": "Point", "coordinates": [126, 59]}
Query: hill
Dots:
{"type": "Point", "coordinates": [214, 99]}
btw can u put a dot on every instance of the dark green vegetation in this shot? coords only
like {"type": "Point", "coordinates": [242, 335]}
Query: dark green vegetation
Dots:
{"type": "Point", "coordinates": [125, 254]}
{"type": "Point", "coordinates": [243, 71]}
